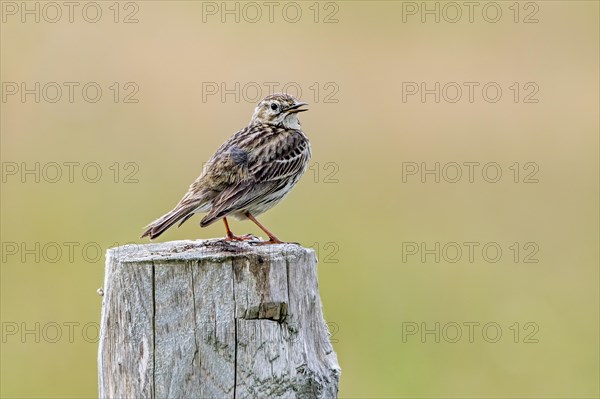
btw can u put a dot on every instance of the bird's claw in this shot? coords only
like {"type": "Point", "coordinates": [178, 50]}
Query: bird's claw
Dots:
{"type": "Point", "coordinates": [272, 240]}
{"type": "Point", "coordinates": [245, 237]}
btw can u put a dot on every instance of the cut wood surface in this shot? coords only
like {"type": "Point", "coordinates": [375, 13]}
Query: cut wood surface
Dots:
{"type": "Point", "coordinates": [214, 319]}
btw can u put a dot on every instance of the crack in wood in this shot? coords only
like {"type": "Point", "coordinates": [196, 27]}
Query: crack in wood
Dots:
{"type": "Point", "coordinates": [194, 311]}
{"type": "Point", "coordinates": [235, 335]}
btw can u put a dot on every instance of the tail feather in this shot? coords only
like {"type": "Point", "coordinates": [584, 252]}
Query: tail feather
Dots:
{"type": "Point", "coordinates": [161, 224]}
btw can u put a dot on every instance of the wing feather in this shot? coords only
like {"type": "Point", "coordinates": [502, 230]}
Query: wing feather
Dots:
{"type": "Point", "coordinates": [282, 156]}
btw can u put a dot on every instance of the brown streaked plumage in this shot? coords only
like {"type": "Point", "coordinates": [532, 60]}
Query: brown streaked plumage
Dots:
{"type": "Point", "coordinates": [250, 173]}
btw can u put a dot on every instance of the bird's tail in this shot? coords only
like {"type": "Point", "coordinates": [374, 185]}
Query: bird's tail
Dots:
{"type": "Point", "coordinates": [181, 212]}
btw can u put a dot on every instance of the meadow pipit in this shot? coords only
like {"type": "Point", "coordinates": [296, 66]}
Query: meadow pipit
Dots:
{"type": "Point", "coordinates": [250, 173]}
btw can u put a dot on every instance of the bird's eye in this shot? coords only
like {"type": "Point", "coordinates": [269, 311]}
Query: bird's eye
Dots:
{"type": "Point", "coordinates": [273, 106]}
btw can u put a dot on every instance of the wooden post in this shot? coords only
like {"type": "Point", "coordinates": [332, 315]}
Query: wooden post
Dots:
{"type": "Point", "coordinates": [214, 319]}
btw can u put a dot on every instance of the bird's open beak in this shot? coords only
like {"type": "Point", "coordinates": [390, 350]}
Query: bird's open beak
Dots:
{"type": "Point", "coordinates": [294, 109]}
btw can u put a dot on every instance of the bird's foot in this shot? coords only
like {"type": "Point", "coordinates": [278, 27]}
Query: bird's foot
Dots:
{"type": "Point", "coordinates": [272, 240]}
{"type": "Point", "coordinates": [245, 237]}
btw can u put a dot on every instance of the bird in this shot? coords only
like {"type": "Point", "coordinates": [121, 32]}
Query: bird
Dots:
{"type": "Point", "coordinates": [248, 174]}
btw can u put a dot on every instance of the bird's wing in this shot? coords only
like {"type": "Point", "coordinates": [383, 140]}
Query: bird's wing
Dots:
{"type": "Point", "coordinates": [228, 166]}
{"type": "Point", "coordinates": [278, 156]}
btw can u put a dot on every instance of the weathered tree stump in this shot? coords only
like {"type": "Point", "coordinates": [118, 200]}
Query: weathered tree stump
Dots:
{"type": "Point", "coordinates": [201, 319]}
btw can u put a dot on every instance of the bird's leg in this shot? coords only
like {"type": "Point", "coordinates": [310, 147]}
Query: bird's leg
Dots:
{"type": "Point", "coordinates": [229, 235]}
{"type": "Point", "coordinates": [232, 237]}
{"type": "Point", "coordinates": [272, 238]}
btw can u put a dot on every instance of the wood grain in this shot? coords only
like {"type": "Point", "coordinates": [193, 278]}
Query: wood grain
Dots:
{"type": "Point", "coordinates": [214, 319]}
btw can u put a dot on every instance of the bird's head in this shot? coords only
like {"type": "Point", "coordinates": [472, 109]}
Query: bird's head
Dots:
{"type": "Point", "coordinates": [279, 109]}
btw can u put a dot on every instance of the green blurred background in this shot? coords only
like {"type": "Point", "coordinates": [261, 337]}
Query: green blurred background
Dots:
{"type": "Point", "coordinates": [352, 205]}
